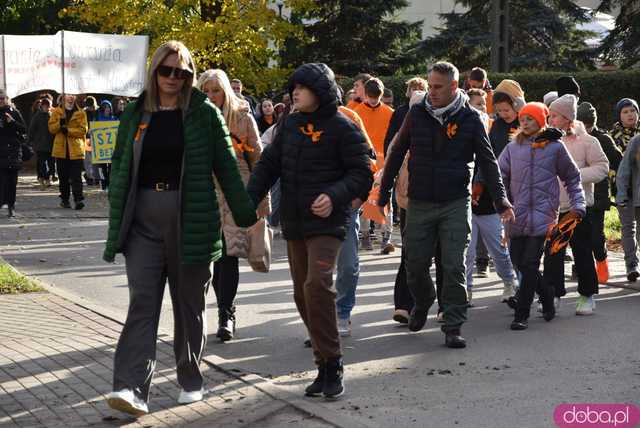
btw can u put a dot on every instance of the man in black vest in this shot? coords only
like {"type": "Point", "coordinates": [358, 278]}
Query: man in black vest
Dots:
{"type": "Point", "coordinates": [444, 135]}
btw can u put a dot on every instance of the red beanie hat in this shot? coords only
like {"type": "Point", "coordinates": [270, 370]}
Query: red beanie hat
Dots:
{"type": "Point", "coordinates": [538, 111]}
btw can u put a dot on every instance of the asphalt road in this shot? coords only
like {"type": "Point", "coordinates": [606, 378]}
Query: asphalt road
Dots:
{"type": "Point", "coordinates": [393, 377]}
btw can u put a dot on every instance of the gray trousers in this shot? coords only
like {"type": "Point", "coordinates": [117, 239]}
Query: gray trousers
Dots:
{"type": "Point", "coordinates": [628, 216]}
{"type": "Point", "coordinates": [152, 256]}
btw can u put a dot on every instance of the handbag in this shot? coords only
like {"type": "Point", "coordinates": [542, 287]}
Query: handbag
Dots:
{"type": "Point", "coordinates": [260, 242]}
{"type": "Point", "coordinates": [27, 152]}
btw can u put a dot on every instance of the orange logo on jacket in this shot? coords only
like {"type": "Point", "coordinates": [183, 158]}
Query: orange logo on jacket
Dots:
{"type": "Point", "coordinates": [141, 128]}
{"type": "Point", "coordinates": [452, 129]}
{"type": "Point", "coordinates": [539, 144]}
{"type": "Point", "coordinates": [309, 131]}
{"type": "Point", "coordinates": [240, 146]}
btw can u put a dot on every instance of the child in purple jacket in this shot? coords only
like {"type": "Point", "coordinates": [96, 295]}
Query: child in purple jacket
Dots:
{"type": "Point", "coordinates": [531, 165]}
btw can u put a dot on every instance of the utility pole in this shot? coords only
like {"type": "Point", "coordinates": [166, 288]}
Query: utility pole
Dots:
{"type": "Point", "coordinates": [500, 36]}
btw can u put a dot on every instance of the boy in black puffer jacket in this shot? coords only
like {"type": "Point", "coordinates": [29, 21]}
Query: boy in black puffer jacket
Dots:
{"type": "Point", "coordinates": [322, 160]}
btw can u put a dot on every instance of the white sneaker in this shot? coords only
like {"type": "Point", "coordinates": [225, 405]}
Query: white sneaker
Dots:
{"type": "Point", "coordinates": [344, 327]}
{"type": "Point", "coordinates": [469, 296]}
{"type": "Point", "coordinates": [126, 401]}
{"type": "Point", "coordinates": [585, 305]}
{"type": "Point", "coordinates": [187, 397]}
{"type": "Point", "coordinates": [556, 303]}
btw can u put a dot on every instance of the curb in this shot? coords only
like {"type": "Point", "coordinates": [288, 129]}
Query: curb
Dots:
{"type": "Point", "coordinates": [264, 385]}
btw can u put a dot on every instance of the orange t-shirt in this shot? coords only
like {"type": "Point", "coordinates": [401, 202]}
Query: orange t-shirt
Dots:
{"type": "Point", "coordinates": [353, 116]}
{"type": "Point", "coordinates": [376, 121]}
{"type": "Point", "coordinates": [353, 104]}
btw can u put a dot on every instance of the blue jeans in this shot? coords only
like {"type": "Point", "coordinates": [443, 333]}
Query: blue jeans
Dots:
{"type": "Point", "coordinates": [489, 227]}
{"type": "Point", "coordinates": [348, 269]}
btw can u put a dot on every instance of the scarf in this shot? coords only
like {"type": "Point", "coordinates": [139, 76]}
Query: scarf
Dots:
{"type": "Point", "coordinates": [443, 114]}
{"type": "Point", "coordinates": [622, 136]}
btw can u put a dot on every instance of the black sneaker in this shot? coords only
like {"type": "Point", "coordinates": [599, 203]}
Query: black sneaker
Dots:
{"type": "Point", "coordinates": [333, 384]}
{"type": "Point", "coordinates": [633, 276]}
{"type": "Point", "coordinates": [226, 324]}
{"type": "Point", "coordinates": [417, 319]}
{"type": "Point", "coordinates": [519, 325]}
{"type": "Point", "coordinates": [512, 302]}
{"type": "Point", "coordinates": [549, 315]}
{"type": "Point", "coordinates": [79, 205]}
{"type": "Point", "coordinates": [317, 387]}
{"type": "Point", "coordinates": [65, 204]}
{"type": "Point", "coordinates": [452, 339]}
{"type": "Point", "coordinates": [307, 343]}
{"type": "Point", "coordinates": [11, 212]}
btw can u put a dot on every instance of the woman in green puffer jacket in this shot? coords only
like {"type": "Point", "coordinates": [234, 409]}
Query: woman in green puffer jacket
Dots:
{"type": "Point", "coordinates": [164, 218]}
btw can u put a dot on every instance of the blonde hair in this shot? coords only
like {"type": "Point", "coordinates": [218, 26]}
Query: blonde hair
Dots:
{"type": "Point", "coordinates": [416, 84]}
{"type": "Point", "coordinates": [232, 106]}
{"type": "Point", "coordinates": [152, 101]}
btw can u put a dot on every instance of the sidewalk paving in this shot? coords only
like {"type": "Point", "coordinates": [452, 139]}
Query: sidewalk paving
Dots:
{"type": "Point", "coordinates": [56, 365]}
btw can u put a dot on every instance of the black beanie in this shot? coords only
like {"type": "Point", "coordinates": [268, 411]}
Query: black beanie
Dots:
{"type": "Point", "coordinates": [587, 113]}
{"type": "Point", "coordinates": [567, 85]}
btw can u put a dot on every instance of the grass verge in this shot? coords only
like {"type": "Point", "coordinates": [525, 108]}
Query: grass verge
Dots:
{"type": "Point", "coordinates": [13, 282]}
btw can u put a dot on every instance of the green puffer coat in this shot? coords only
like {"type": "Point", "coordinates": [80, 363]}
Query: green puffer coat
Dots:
{"type": "Point", "coordinates": [207, 152]}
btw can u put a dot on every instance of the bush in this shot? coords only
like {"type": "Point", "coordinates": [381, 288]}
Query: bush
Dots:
{"type": "Point", "coordinates": [603, 89]}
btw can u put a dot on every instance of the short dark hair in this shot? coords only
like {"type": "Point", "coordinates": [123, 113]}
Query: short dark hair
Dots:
{"type": "Point", "coordinates": [364, 77]}
{"type": "Point", "coordinates": [478, 74]}
{"type": "Point", "coordinates": [501, 97]}
{"type": "Point", "coordinates": [476, 92]}
{"type": "Point", "coordinates": [388, 92]}
{"type": "Point", "coordinates": [45, 100]}
{"type": "Point", "coordinates": [374, 88]}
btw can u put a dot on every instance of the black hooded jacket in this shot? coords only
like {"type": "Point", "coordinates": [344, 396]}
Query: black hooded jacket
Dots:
{"type": "Point", "coordinates": [314, 153]}
{"type": "Point", "coordinates": [11, 137]}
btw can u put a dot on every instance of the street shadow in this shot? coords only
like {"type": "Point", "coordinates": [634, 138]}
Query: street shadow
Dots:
{"type": "Point", "coordinates": [271, 342]}
{"type": "Point", "coordinates": [73, 387]}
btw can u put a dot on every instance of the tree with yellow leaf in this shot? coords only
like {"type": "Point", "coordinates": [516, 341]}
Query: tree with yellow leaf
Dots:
{"type": "Point", "coordinates": [242, 37]}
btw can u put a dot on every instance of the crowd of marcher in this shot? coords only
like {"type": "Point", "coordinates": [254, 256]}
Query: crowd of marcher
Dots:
{"type": "Point", "coordinates": [470, 174]}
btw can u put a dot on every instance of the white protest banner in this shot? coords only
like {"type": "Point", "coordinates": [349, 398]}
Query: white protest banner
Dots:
{"type": "Point", "coordinates": [32, 63]}
{"type": "Point", "coordinates": [105, 63]}
{"type": "Point", "coordinates": [93, 63]}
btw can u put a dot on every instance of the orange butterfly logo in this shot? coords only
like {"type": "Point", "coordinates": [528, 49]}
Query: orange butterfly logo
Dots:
{"type": "Point", "coordinates": [141, 128]}
{"type": "Point", "coordinates": [539, 144]}
{"type": "Point", "coordinates": [239, 145]}
{"type": "Point", "coordinates": [308, 131]}
{"type": "Point", "coordinates": [452, 129]}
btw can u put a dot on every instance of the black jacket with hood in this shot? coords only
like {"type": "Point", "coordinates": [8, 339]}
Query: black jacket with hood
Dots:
{"type": "Point", "coordinates": [11, 138]}
{"type": "Point", "coordinates": [314, 153]}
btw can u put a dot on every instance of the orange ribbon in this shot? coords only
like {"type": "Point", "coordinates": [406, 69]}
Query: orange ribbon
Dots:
{"type": "Point", "coordinates": [539, 144]}
{"type": "Point", "coordinates": [141, 128]}
{"type": "Point", "coordinates": [452, 129]}
{"type": "Point", "coordinates": [309, 132]}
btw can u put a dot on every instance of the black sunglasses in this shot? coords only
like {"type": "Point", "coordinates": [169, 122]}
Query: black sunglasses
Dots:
{"type": "Point", "coordinates": [178, 73]}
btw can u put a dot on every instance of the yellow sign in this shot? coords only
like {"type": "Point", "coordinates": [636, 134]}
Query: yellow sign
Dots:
{"type": "Point", "coordinates": [103, 140]}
